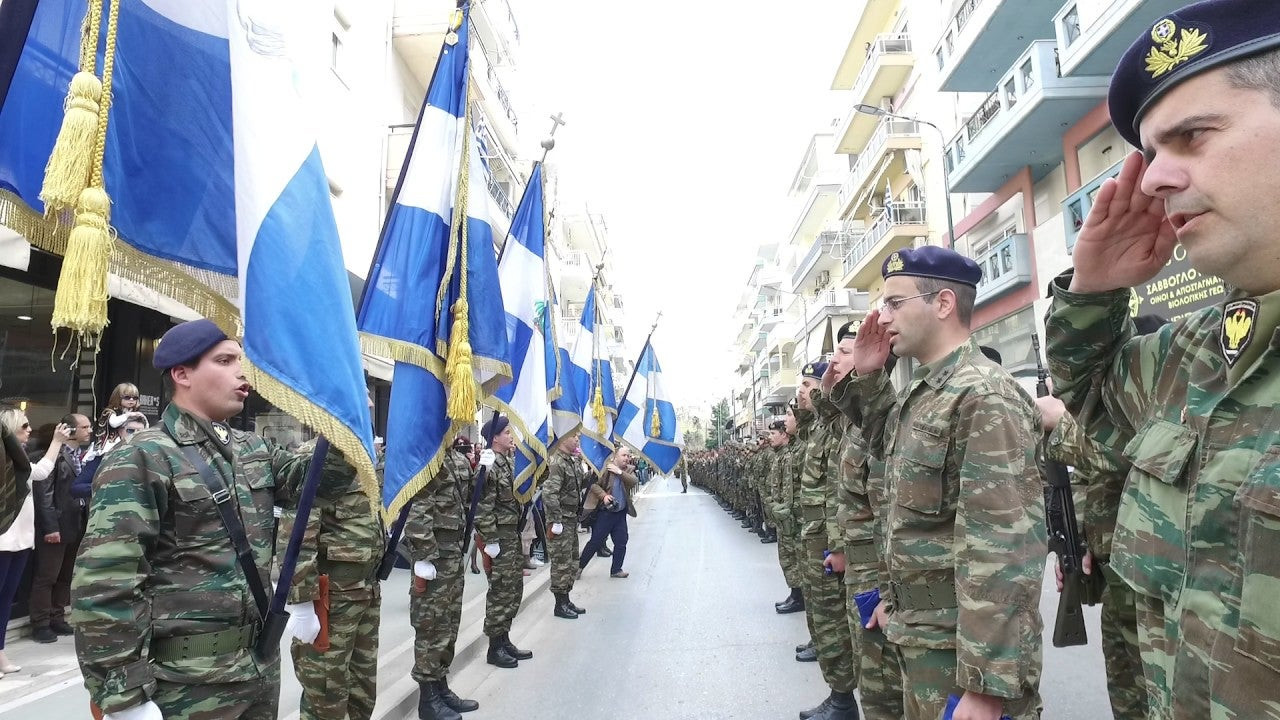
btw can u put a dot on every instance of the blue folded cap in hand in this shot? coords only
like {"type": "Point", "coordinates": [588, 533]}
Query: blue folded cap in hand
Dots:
{"type": "Point", "coordinates": [952, 702]}
{"type": "Point", "coordinates": [867, 602]}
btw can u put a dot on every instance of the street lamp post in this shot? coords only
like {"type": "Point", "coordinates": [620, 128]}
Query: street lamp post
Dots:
{"type": "Point", "coordinates": [946, 182]}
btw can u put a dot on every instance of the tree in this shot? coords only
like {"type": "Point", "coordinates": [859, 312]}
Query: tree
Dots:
{"type": "Point", "coordinates": [721, 424]}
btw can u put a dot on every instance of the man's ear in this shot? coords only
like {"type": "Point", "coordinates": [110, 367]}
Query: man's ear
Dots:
{"type": "Point", "coordinates": [181, 375]}
{"type": "Point", "coordinates": [945, 304]}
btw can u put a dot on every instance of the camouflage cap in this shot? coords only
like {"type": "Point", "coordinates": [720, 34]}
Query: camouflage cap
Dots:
{"type": "Point", "coordinates": [1183, 44]}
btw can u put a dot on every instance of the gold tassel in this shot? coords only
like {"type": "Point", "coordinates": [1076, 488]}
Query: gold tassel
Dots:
{"type": "Point", "coordinates": [597, 409]}
{"type": "Point", "coordinates": [71, 162]}
{"type": "Point", "coordinates": [655, 424]}
{"type": "Point", "coordinates": [458, 371]}
{"type": "Point", "coordinates": [81, 299]}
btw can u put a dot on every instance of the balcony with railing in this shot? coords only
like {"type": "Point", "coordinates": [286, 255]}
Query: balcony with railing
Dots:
{"type": "Point", "coordinates": [1021, 122]}
{"type": "Point", "coordinates": [1093, 34]}
{"type": "Point", "coordinates": [876, 15]}
{"type": "Point", "coordinates": [1006, 266]}
{"type": "Point", "coordinates": [823, 255]}
{"type": "Point", "coordinates": [896, 227]}
{"type": "Point", "coordinates": [888, 67]}
{"type": "Point", "coordinates": [1078, 204]}
{"type": "Point", "coordinates": [842, 302]}
{"type": "Point", "coordinates": [494, 100]}
{"type": "Point", "coordinates": [418, 28]}
{"type": "Point", "coordinates": [986, 35]}
{"type": "Point", "coordinates": [891, 135]}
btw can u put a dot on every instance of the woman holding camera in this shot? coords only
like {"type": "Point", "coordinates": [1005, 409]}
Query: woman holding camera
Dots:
{"type": "Point", "coordinates": [610, 499]}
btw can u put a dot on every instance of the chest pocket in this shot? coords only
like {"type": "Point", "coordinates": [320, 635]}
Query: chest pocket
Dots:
{"type": "Point", "coordinates": [921, 460]}
{"type": "Point", "coordinates": [195, 518]}
{"type": "Point", "coordinates": [1150, 541]}
{"type": "Point", "coordinates": [1259, 633]}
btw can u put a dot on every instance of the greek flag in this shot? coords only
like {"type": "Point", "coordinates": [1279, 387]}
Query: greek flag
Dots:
{"type": "Point", "coordinates": [219, 197]}
{"type": "Point", "coordinates": [647, 419]}
{"type": "Point", "coordinates": [434, 269]}
{"type": "Point", "coordinates": [522, 274]}
{"type": "Point", "coordinates": [590, 378]}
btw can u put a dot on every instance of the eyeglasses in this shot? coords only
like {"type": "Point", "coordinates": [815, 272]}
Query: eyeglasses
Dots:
{"type": "Point", "coordinates": [895, 304]}
{"type": "Point", "coordinates": [128, 397]}
{"type": "Point", "coordinates": [26, 426]}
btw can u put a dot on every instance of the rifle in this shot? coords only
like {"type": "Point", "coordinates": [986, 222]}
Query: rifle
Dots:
{"type": "Point", "coordinates": [1065, 539]}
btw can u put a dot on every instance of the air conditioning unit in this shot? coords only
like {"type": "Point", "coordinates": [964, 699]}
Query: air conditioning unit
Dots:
{"type": "Point", "coordinates": [824, 277]}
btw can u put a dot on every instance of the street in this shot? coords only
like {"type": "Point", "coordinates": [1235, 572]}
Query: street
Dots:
{"type": "Point", "coordinates": [691, 634]}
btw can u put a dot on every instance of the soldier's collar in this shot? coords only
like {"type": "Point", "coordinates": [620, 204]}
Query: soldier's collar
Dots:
{"type": "Point", "coordinates": [938, 372]}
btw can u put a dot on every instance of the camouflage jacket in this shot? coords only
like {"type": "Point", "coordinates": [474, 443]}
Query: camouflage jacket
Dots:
{"type": "Point", "coordinates": [860, 512]}
{"type": "Point", "coordinates": [344, 539]}
{"type": "Point", "coordinates": [1101, 470]}
{"type": "Point", "coordinates": [1199, 520]}
{"type": "Point", "coordinates": [498, 507]}
{"type": "Point", "coordinates": [561, 489]}
{"type": "Point", "coordinates": [156, 561]}
{"type": "Point", "coordinates": [965, 510]}
{"type": "Point", "coordinates": [815, 499]}
{"type": "Point", "coordinates": [438, 514]}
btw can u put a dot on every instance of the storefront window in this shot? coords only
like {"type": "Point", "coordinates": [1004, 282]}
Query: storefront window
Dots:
{"type": "Point", "coordinates": [28, 356]}
{"type": "Point", "coordinates": [1011, 337]}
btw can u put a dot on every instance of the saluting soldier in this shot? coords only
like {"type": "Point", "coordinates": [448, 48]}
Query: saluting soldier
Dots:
{"type": "Point", "coordinates": [165, 616]}
{"type": "Point", "coordinates": [1193, 406]}
{"type": "Point", "coordinates": [965, 525]}
{"type": "Point", "coordinates": [433, 538]}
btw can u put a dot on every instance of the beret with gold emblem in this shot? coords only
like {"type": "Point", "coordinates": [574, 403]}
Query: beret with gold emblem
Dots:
{"type": "Point", "coordinates": [935, 262]}
{"type": "Point", "coordinates": [814, 370]}
{"type": "Point", "coordinates": [1183, 44]}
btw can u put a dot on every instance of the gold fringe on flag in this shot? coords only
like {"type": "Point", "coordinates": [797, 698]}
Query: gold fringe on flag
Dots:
{"type": "Point", "coordinates": [655, 423]}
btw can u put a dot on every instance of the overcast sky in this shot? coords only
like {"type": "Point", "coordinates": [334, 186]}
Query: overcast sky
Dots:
{"type": "Point", "coordinates": [686, 123]}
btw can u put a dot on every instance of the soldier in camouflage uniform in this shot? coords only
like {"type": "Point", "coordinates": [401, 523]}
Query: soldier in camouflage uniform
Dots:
{"type": "Point", "coordinates": [861, 499]}
{"type": "Point", "coordinates": [560, 498]}
{"type": "Point", "coordinates": [344, 540]}
{"type": "Point", "coordinates": [819, 536]}
{"type": "Point", "coordinates": [498, 535]}
{"type": "Point", "coordinates": [965, 524]}
{"type": "Point", "coordinates": [782, 500]}
{"type": "Point", "coordinates": [1193, 406]}
{"type": "Point", "coordinates": [434, 542]}
{"type": "Point", "coordinates": [165, 621]}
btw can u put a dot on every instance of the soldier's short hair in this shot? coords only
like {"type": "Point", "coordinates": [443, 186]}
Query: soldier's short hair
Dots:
{"type": "Point", "coordinates": [966, 295]}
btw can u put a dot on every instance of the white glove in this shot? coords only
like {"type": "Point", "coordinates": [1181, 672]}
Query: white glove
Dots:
{"type": "Point", "coordinates": [425, 570]}
{"type": "Point", "coordinates": [303, 622]}
{"type": "Point", "coordinates": [486, 458]}
{"type": "Point", "coordinates": [556, 528]}
{"type": "Point", "coordinates": [146, 711]}
{"type": "Point", "coordinates": [492, 550]}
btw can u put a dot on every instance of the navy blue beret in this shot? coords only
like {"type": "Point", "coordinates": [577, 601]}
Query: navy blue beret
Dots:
{"type": "Point", "coordinates": [935, 262]}
{"type": "Point", "coordinates": [1183, 44]}
{"type": "Point", "coordinates": [494, 427]}
{"type": "Point", "coordinates": [814, 370]}
{"type": "Point", "coordinates": [185, 343]}
{"type": "Point", "coordinates": [848, 331]}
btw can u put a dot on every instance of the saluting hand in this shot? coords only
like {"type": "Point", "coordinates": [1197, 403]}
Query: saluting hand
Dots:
{"type": "Point", "coordinates": [871, 347]}
{"type": "Point", "coordinates": [1126, 239]}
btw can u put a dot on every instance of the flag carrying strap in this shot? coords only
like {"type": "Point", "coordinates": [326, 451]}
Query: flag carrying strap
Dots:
{"type": "Point", "coordinates": [230, 520]}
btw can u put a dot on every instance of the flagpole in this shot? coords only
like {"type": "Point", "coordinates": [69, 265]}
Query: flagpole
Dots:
{"type": "Point", "coordinates": [547, 146]}
{"type": "Point", "coordinates": [636, 369]}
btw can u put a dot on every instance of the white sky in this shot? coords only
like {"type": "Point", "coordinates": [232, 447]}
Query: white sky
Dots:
{"type": "Point", "coordinates": [686, 123]}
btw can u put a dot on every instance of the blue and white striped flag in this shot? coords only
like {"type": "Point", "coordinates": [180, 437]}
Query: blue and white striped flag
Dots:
{"type": "Point", "coordinates": [431, 255]}
{"type": "Point", "coordinates": [522, 274]}
{"type": "Point", "coordinates": [591, 382]}
{"type": "Point", "coordinates": [646, 418]}
{"type": "Point", "coordinates": [219, 198]}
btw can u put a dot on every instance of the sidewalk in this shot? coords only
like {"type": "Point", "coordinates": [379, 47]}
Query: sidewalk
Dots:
{"type": "Point", "coordinates": [50, 678]}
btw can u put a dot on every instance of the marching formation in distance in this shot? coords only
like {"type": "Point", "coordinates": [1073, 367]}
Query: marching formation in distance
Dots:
{"type": "Point", "coordinates": [914, 489]}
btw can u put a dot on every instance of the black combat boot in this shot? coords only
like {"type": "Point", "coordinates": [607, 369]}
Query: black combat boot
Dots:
{"type": "Point", "coordinates": [562, 608]}
{"type": "Point", "coordinates": [809, 654]}
{"type": "Point", "coordinates": [452, 700]}
{"type": "Point", "coordinates": [804, 646]}
{"type": "Point", "coordinates": [788, 598]}
{"type": "Point", "coordinates": [842, 707]}
{"type": "Point", "coordinates": [431, 705]}
{"type": "Point", "coordinates": [795, 604]}
{"type": "Point", "coordinates": [514, 651]}
{"type": "Point", "coordinates": [498, 654]}
{"type": "Point", "coordinates": [575, 608]}
{"type": "Point", "coordinates": [770, 536]}
{"type": "Point", "coordinates": [815, 711]}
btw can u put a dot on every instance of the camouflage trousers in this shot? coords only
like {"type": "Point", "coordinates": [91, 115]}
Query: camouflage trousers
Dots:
{"type": "Point", "coordinates": [879, 668]}
{"type": "Point", "coordinates": [506, 583]}
{"type": "Point", "coordinates": [789, 557]}
{"type": "Point", "coordinates": [824, 609]}
{"type": "Point", "coordinates": [563, 550]}
{"type": "Point", "coordinates": [929, 676]}
{"type": "Point", "coordinates": [343, 680]}
{"type": "Point", "coordinates": [435, 615]}
{"type": "Point", "coordinates": [256, 699]}
{"type": "Point", "coordinates": [1120, 649]}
